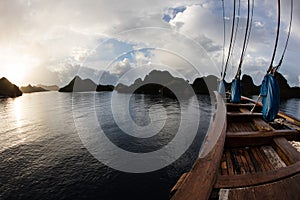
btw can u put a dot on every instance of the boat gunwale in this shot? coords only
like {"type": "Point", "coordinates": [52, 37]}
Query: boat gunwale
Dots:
{"type": "Point", "coordinates": [200, 180]}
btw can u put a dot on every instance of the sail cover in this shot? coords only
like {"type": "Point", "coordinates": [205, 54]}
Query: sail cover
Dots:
{"type": "Point", "coordinates": [221, 88]}
{"type": "Point", "coordinates": [236, 91]}
{"type": "Point", "coordinates": [271, 97]}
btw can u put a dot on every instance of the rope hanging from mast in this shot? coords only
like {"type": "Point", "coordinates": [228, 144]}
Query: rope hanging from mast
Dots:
{"type": "Point", "coordinates": [288, 37]}
{"type": "Point", "coordinates": [224, 37]}
{"type": "Point", "coordinates": [237, 26]}
{"type": "Point", "coordinates": [231, 40]}
{"type": "Point", "coordinates": [272, 68]}
{"type": "Point", "coordinates": [276, 40]}
{"type": "Point", "coordinates": [246, 37]}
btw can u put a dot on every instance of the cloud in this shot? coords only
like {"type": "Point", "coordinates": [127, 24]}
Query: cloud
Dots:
{"type": "Point", "coordinates": [61, 35]}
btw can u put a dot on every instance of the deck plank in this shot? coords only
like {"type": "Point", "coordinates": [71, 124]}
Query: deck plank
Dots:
{"type": "Point", "coordinates": [240, 162]}
{"type": "Point", "coordinates": [286, 151]}
{"type": "Point", "coordinates": [261, 125]}
{"type": "Point", "coordinates": [244, 160]}
{"type": "Point", "coordinates": [249, 161]}
{"type": "Point", "coordinates": [257, 159]}
{"type": "Point", "coordinates": [224, 170]}
{"type": "Point", "coordinates": [273, 157]}
{"type": "Point", "coordinates": [266, 158]}
{"type": "Point", "coordinates": [257, 178]}
{"type": "Point", "coordinates": [283, 189]}
{"type": "Point", "coordinates": [229, 163]}
{"type": "Point", "coordinates": [238, 114]}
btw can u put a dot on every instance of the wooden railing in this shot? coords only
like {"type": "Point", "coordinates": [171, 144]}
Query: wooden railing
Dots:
{"type": "Point", "coordinates": [198, 183]}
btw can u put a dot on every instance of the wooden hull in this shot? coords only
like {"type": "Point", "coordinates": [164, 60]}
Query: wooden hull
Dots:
{"type": "Point", "coordinates": [246, 159]}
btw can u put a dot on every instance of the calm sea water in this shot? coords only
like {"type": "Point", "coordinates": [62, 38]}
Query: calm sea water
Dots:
{"type": "Point", "coordinates": [42, 156]}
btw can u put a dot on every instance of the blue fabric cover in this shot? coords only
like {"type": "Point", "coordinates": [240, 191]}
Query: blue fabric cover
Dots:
{"type": "Point", "coordinates": [270, 92]}
{"type": "Point", "coordinates": [236, 91]}
{"type": "Point", "coordinates": [221, 88]}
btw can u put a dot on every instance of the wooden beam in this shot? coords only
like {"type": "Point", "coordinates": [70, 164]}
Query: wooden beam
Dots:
{"type": "Point", "coordinates": [249, 114]}
{"type": "Point", "coordinates": [240, 104]}
{"type": "Point", "coordinates": [290, 118]}
{"type": "Point", "coordinates": [246, 180]}
{"type": "Point", "coordinates": [273, 133]}
{"type": "Point", "coordinates": [286, 151]}
{"type": "Point", "coordinates": [261, 125]}
{"type": "Point", "coordinates": [283, 189]}
{"type": "Point", "coordinates": [240, 139]}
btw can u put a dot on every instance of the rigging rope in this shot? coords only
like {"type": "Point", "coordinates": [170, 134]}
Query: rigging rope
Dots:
{"type": "Point", "coordinates": [237, 25]}
{"type": "Point", "coordinates": [246, 38]}
{"type": "Point", "coordinates": [288, 37]}
{"type": "Point", "coordinates": [276, 40]}
{"type": "Point", "coordinates": [224, 38]}
{"type": "Point", "coordinates": [231, 38]}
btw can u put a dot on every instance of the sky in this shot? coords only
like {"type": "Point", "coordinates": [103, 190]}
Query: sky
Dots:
{"type": "Point", "coordinates": [49, 42]}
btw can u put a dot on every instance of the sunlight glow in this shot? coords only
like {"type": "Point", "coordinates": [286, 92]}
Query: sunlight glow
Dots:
{"type": "Point", "coordinates": [15, 68]}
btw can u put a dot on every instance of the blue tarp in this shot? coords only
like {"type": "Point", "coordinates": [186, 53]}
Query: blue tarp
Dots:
{"type": "Point", "coordinates": [236, 91]}
{"type": "Point", "coordinates": [222, 88]}
{"type": "Point", "coordinates": [270, 92]}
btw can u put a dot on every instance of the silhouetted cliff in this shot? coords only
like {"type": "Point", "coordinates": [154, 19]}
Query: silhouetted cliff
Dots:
{"type": "Point", "coordinates": [205, 84]}
{"type": "Point", "coordinates": [49, 87]}
{"type": "Point", "coordinates": [285, 90]}
{"type": "Point", "coordinates": [79, 85]}
{"type": "Point", "coordinates": [248, 87]}
{"type": "Point", "coordinates": [7, 89]}
{"type": "Point", "coordinates": [159, 82]}
{"type": "Point", "coordinates": [31, 89]}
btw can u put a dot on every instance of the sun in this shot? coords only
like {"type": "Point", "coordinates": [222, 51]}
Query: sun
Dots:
{"type": "Point", "coordinates": [15, 73]}
{"type": "Point", "coordinates": [16, 69]}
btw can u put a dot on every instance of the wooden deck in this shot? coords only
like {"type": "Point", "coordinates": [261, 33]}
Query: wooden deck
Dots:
{"type": "Point", "coordinates": [254, 159]}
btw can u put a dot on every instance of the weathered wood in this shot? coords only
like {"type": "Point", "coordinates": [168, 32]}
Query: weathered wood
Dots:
{"type": "Point", "coordinates": [236, 114]}
{"type": "Point", "coordinates": [239, 105]}
{"type": "Point", "coordinates": [254, 157]}
{"type": "Point", "coordinates": [244, 160]}
{"type": "Point", "coordinates": [292, 119]}
{"type": "Point", "coordinates": [266, 159]}
{"type": "Point", "coordinates": [229, 163]}
{"type": "Point", "coordinates": [262, 125]}
{"type": "Point", "coordinates": [244, 110]}
{"type": "Point", "coordinates": [178, 183]}
{"type": "Point", "coordinates": [223, 167]}
{"type": "Point", "coordinates": [199, 183]}
{"type": "Point", "coordinates": [273, 157]}
{"type": "Point", "coordinates": [289, 118]}
{"type": "Point", "coordinates": [239, 126]}
{"type": "Point", "coordinates": [282, 189]}
{"type": "Point", "coordinates": [258, 159]}
{"type": "Point", "coordinates": [286, 151]}
{"type": "Point", "coordinates": [257, 178]}
{"type": "Point", "coordinates": [264, 162]}
{"type": "Point", "coordinates": [240, 139]}
{"type": "Point", "coordinates": [274, 133]}
{"type": "Point", "coordinates": [249, 161]}
{"type": "Point", "coordinates": [223, 194]}
{"type": "Point", "coordinates": [235, 162]}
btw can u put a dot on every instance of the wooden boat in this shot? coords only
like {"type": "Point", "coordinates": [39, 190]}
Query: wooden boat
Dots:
{"type": "Point", "coordinates": [243, 157]}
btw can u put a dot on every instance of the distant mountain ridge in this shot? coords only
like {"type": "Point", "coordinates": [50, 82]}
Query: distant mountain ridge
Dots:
{"type": "Point", "coordinates": [201, 85]}
{"type": "Point", "coordinates": [158, 82]}
{"type": "Point", "coordinates": [7, 89]}
{"type": "Point", "coordinates": [31, 89]}
{"type": "Point", "coordinates": [48, 87]}
{"type": "Point", "coordinates": [84, 85]}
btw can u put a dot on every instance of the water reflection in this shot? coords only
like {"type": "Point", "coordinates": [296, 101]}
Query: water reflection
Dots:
{"type": "Point", "coordinates": [17, 109]}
